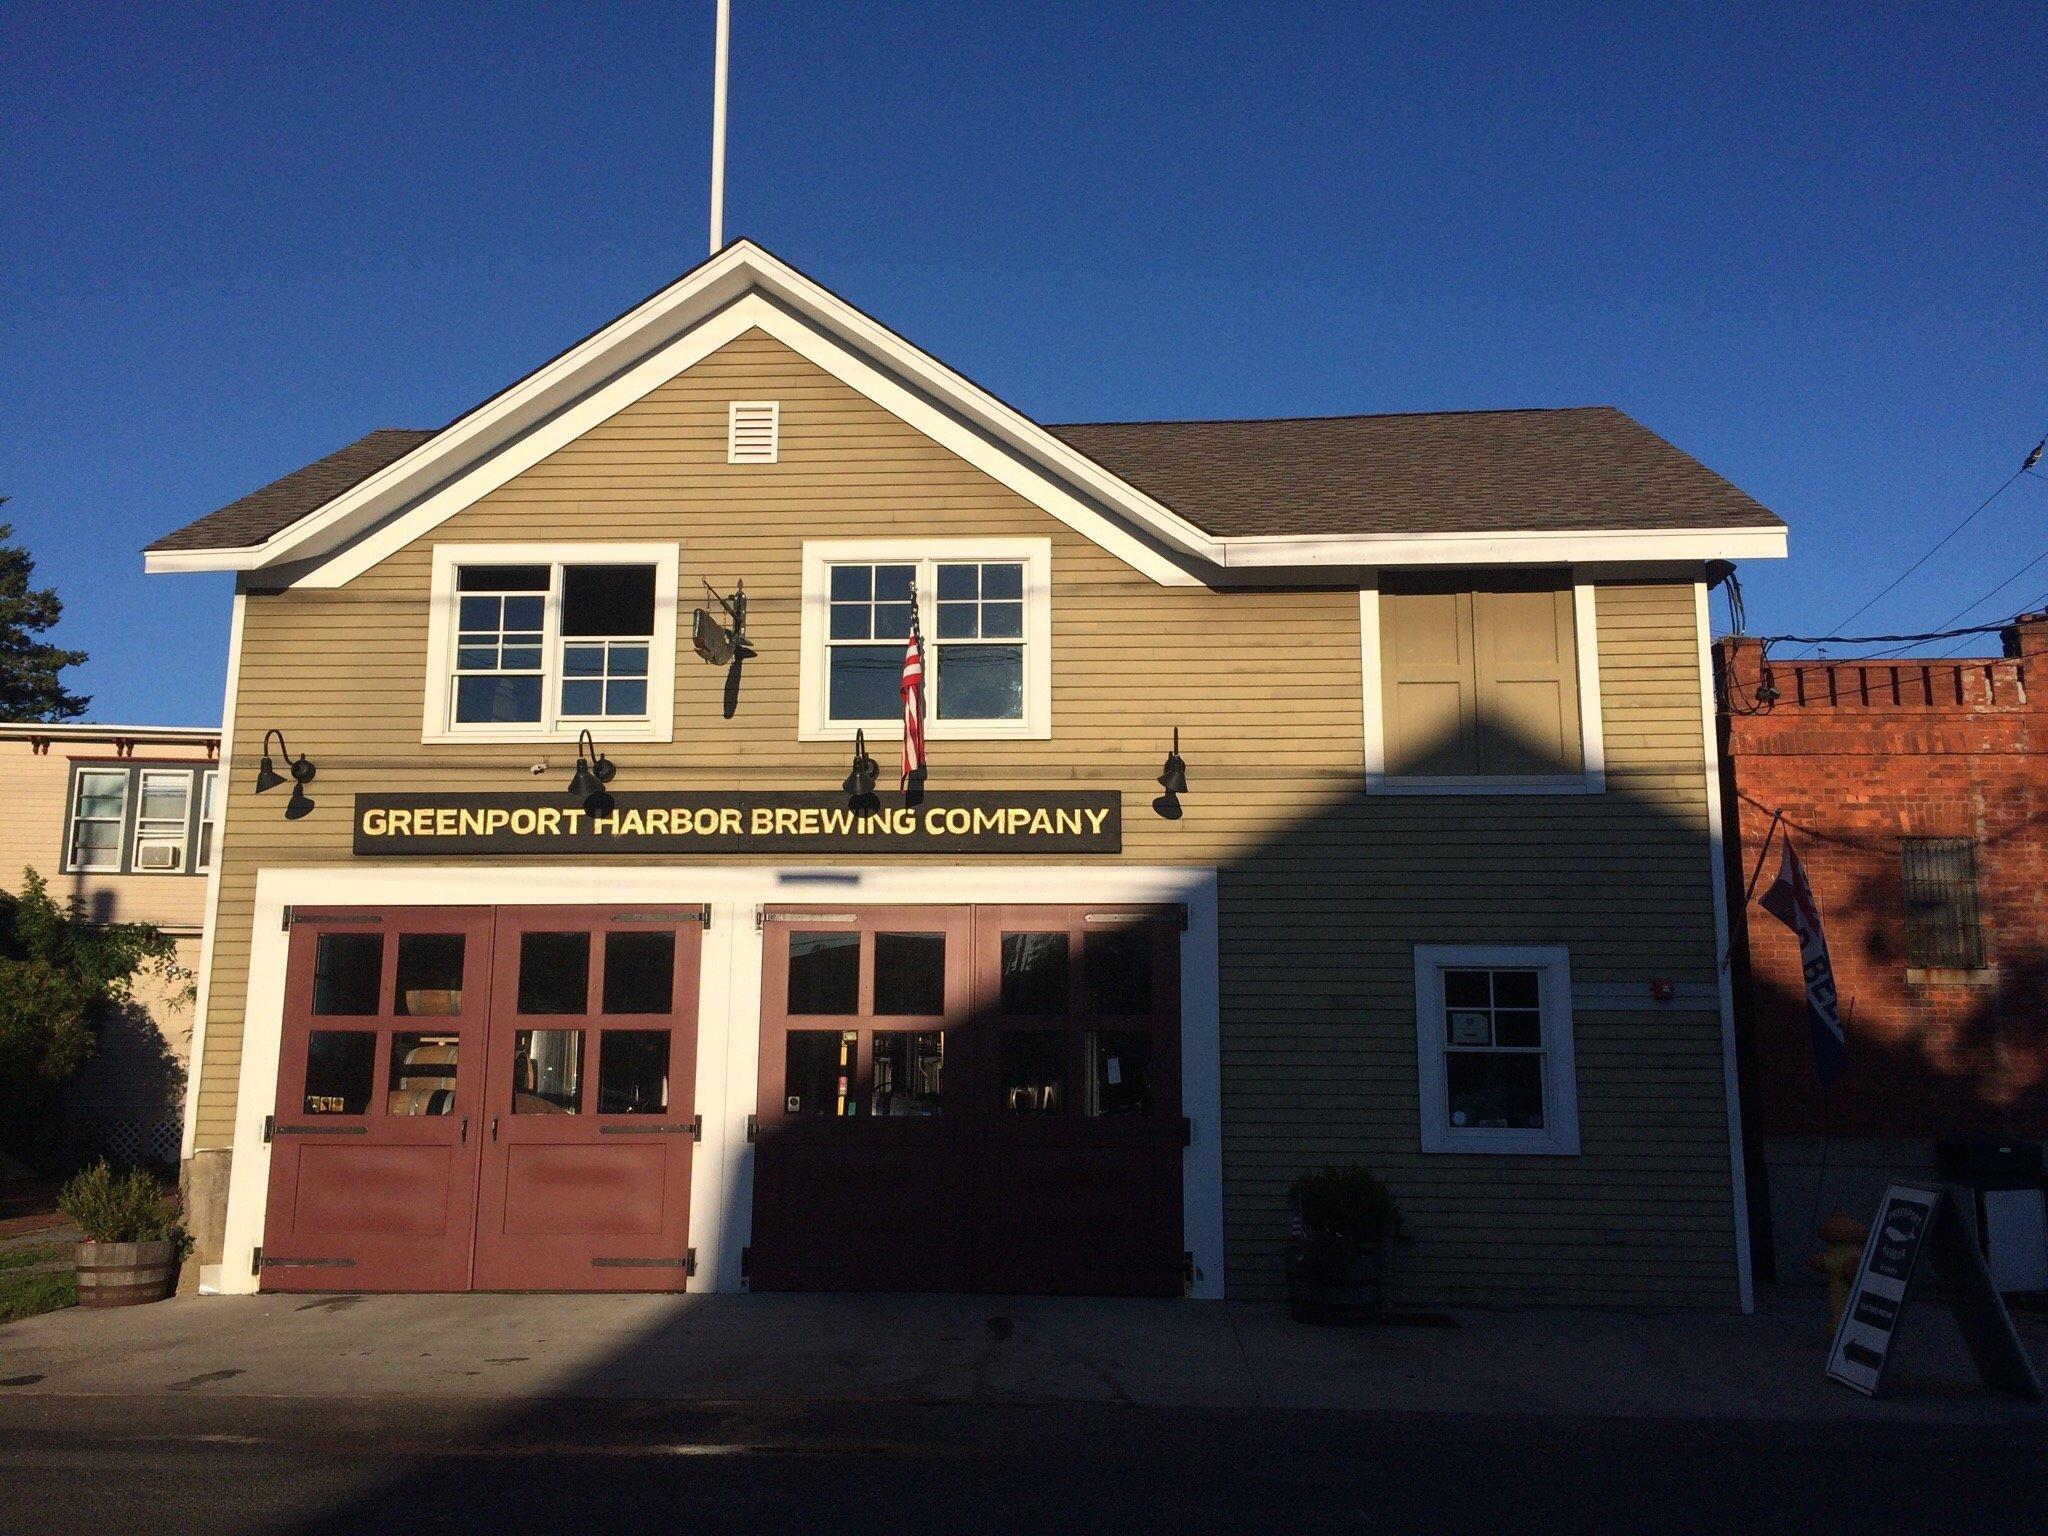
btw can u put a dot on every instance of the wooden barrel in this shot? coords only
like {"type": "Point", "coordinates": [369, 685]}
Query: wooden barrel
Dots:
{"type": "Point", "coordinates": [125, 1274]}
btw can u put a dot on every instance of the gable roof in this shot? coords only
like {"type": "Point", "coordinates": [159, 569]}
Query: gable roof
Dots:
{"type": "Point", "coordinates": [1170, 497]}
{"type": "Point", "coordinates": [1443, 471]}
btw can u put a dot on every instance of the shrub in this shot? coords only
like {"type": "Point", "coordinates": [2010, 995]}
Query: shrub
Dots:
{"type": "Point", "coordinates": [1342, 1213]}
{"type": "Point", "coordinates": [111, 1208]}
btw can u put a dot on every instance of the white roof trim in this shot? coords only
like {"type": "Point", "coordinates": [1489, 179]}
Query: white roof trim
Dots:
{"type": "Point", "coordinates": [744, 287]}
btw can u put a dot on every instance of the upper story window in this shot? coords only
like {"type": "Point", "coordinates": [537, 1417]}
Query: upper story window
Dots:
{"type": "Point", "coordinates": [984, 609]}
{"type": "Point", "coordinates": [1493, 1027]}
{"type": "Point", "coordinates": [1481, 687]}
{"type": "Point", "coordinates": [535, 642]}
{"type": "Point", "coordinates": [1943, 930]}
{"type": "Point", "coordinates": [153, 819]}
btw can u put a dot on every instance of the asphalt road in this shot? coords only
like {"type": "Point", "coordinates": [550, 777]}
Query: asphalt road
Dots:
{"type": "Point", "coordinates": [223, 1466]}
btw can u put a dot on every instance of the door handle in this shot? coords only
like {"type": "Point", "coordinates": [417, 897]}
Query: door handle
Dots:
{"type": "Point", "coordinates": [462, 1135]}
{"type": "Point", "coordinates": [494, 1127]}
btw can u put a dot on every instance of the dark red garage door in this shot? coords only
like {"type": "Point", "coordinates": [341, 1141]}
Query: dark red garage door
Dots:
{"type": "Point", "coordinates": [490, 1099]}
{"type": "Point", "coordinates": [981, 1099]}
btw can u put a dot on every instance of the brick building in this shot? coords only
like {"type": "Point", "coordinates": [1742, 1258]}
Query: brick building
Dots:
{"type": "Point", "coordinates": [1917, 794]}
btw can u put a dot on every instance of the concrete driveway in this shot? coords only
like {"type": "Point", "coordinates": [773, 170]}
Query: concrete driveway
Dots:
{"type": "Point", "coordinates": [759, 1349]}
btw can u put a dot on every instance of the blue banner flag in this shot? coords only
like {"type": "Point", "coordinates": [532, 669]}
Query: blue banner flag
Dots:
{"type": "Point", "coordinates": [1790, 901]}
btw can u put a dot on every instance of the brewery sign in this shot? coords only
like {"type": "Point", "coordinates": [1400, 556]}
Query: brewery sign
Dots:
{"type": "Point", "coordinates": [729, 822]}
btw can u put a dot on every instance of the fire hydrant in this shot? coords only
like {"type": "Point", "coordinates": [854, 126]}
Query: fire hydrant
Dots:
{"type": "Point", "coordinates": [1842, 1237]}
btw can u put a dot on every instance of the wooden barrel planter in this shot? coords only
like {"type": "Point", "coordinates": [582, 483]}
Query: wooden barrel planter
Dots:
{"type": "Point", "coordinates": [125, 1274]}
{"type": "Point", "coordinates": [1349, 1298]}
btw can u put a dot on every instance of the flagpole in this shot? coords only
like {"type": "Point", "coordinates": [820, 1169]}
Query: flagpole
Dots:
{"type": "Point", "coordinates": [718, 128]}
{"type": "Point", "coordinates": [1776, 816]}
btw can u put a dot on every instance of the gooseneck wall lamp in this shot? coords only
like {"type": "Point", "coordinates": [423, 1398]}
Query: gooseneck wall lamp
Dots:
{"type": "Point", "coordinates": [859, 784]}
{"type": "Point", "coordinates": [1173, 780]}
{"type": "Point", "coordinates": [593, 771]}
{"type": "Point", "coordinates": [268, 778]}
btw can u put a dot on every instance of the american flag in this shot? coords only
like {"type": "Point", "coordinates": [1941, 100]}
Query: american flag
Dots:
{"type": "Point", "coordinates": [912, 689]}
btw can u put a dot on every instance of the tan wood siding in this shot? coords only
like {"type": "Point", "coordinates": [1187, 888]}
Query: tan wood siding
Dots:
{"type": "Point", "coordinates": [1324, 890]}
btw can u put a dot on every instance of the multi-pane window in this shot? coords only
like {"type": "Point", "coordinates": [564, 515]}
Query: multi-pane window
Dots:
{"type": "Point", "coordinates": [554, 646]}
{"type": "Point", "coordinates": [985, 623]}
{"type": "Point", "coordinates": [209, 786]}
{"type": "Point", "coordinates": [1493, 1026]}
{"type": "Point", "coordinates": [869, 603]}
{"type": "Point", "coordinates": [500, 651]}
{"type": "Point", "coordinates": [163, 819]}
{"type": "Point", "coordinates": [99, 810]}
{"type": "Point", "coordinates": [1943, 930]}
{"type": "Point", "coordinates": [980, 641]}
{"type": "Point", "coordinates": [140, 819]}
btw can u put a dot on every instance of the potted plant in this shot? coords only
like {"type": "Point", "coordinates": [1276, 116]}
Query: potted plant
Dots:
{"type": "Point", "coordinates": [132, 1245]}
{"type": "Point", "coordinates": [1345, 1223]}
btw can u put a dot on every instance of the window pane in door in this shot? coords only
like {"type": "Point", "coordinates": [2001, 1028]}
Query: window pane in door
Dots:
{"type": "Point", "coordinates": [422, 1074]}
{"type": "Point", "coordinates": [1033, 1065]}
{"type": "Point", "coordinates": [824, 973]}
{"type": "Point", "coordinates": [910, 1069]}
{"type": "Point", "coordinates": [910, 973]}
{"type": "Point", "coordinates": [554, 972]}
{"type": "Point", "coordinates": [347, 971]}
{"type": "Point", "coordinates": [981, 682]}
{"type": "Point", "coordinates": [818, 1066]}
{"type": "Point", "coordinates": [1035, 974]}
{"type": "Point", "coordinates": [639, 973]}
{"type": "Point", "coordinates": [1116, 971]}
{"type": "Point", "coordinates": [1119, 1072]}
{"type": "Point", "coordinates": [341, 1065]}
{"type": "Point", "coordinates": [429, 974]}
{"type": "Point", "coordinates": [632, 1070]}
{"type": "Point", "coordinates": [547, 1072]}
{"type": "Point", "coordinates": [1495, 1090]}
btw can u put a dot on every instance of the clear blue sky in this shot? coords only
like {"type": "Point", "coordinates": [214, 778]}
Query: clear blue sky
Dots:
{"type": "Point", "coordinates": [1811, 249]}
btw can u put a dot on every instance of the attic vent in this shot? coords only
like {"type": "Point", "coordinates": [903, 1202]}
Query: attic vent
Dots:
{"type": "Point", "coordinates": [753, 431]}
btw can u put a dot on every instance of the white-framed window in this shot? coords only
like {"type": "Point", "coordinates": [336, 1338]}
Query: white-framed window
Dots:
{"type": "Point", "coordinates": [536, 642]}
{"type": "Point", "coordinates": [1481, 683]}
{"type": "Point", "coordinates": [1493, 1032]}
{"type": "Point", "coordinates": [209, 786]}
{"type": "Point", "coordinates": [984, 607]}
{"type": "Point", "coordinates": [99, 812]}
{"type": "Point", "coordinates": [163, 819]}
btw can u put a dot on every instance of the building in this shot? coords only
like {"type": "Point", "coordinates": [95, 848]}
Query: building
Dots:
{"type": "Point", "coordinates": [118, 820]}
{"type": "Point", "coordinates": [1440, 896]}
{"type": "Point", "coordinates": [1915, 792]}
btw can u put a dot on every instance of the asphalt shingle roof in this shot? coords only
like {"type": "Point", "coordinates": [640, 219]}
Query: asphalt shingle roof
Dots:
{"type": "Point", "coordinates": [1581, 468]}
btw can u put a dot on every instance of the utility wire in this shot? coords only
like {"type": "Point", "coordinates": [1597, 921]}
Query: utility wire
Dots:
{"type": "Point", "coordinates": [2015, 576]}
{"type": "Point", "coordinates": [2032, 459]}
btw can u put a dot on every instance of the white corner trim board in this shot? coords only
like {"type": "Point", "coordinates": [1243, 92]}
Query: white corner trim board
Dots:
{"type": "Point", "coordinates": [729, 1017]}
{"type": "Point", "coordinates": [1710, 758]}
{"type": "Point", "coordinates": [744, 287]}
{"type": "Point", "coordinates": [1590, 780]}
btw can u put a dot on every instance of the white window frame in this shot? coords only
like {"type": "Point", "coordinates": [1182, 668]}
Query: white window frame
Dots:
{"type": "Point", "coordinates": [203, 854]}
{"type": "Point", "coordinates": [439, 725]}
{"type": "Point", "coordinates": [179, 839]}
{"type": "Point", "coordinates": [1552, 962]}
{"type": "Point", "coordinates": [1591, 779]}
{"type": "Point", "coordinates": [814, 685]}
{"type": "Point", "coordinates": [72, 864]}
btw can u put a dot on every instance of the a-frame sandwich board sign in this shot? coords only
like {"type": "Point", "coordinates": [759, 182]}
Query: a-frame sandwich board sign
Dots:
{"type": "Point", "coordinates": [1916, 1222]}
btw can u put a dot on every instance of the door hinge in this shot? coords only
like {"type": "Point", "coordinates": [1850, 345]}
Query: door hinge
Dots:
{"type": "Point", "coordinates": [269, 1129]}
{"type": "Point", "coordinates": [256, 1260]}
{"type": "Point", "coordinates": [753, 1127]}
{"type": "Point", "coordinates": [1187, 1131]}
{"type": "Point", "coordinates": [689, 1261]}
{"type": "Point", "coordinates": [746, 1261]}
{"type": "Point", "coordinates": [1189, 1274]}
{"type": "Point", "coordinates": [760, 918]}
{"type": "Point", "coordinates": [287, 919]}
{"type": "Point", "coordinates": [704, 914]}
{"type": "Point", "coordinates": [696, 1132]}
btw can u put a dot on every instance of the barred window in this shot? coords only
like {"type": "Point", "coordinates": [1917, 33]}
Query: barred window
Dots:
{"type": "Point", "coordinates": [1942, 929]}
